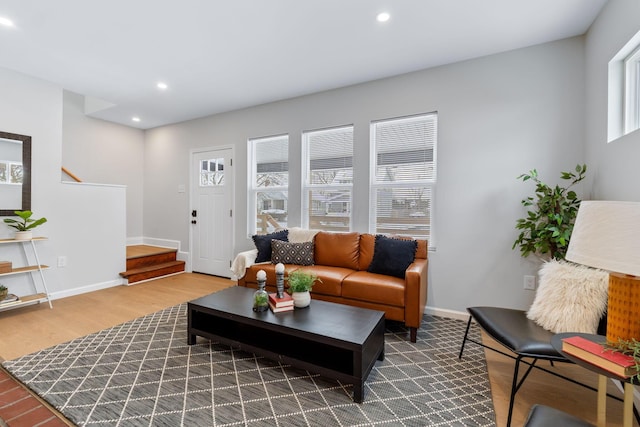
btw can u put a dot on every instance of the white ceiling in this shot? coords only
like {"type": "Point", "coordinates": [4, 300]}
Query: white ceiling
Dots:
{"type": "Point", "coordinates": [219, 56]}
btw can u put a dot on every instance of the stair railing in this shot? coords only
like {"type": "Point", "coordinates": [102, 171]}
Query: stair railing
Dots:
{"type": "Point", "coordinates": [66, 171]}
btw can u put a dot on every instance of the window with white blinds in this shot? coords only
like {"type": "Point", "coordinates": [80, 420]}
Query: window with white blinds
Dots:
{"type": "Point", "coordinates": [328, 178]}
{"type": "Point", "coordinates": [403, 175]}
{"type": "Point", "coordinates": [269, 183]}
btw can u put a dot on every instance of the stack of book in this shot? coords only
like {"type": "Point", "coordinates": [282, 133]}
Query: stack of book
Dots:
{"type": "Point", "coordinates": [10, 299]}
{"type": "Point", "coordinates": [597, 354]}
{"type": "Point", "coordinates": [279, 305]}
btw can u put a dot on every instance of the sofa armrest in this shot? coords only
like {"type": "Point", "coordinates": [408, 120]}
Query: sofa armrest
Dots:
{"type": "Point", "coordinates": [243, 261]}
{"type": "Point", "coordinates": [415, 292]}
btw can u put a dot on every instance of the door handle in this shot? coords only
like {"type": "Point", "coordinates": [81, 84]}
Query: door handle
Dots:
{"type": "Point", "coordinates": [193, 221]}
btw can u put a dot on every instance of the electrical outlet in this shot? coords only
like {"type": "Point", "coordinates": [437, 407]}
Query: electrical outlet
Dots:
{"type": "Point", "coordinates": [62, 261]}
{"type": "Point", "coordinates": [530, 283]}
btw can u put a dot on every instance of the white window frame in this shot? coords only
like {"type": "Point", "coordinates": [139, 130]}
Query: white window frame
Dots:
{"type": "Point", "coordinates": [307, 186]}
{"type": "Point", "coordinates": [429, 183]}
{"type": "Point", "coordinates": [623, 92]}
{"type": "Point", "coordinates": [252, 188]}
{"type": "Point", "coordinates": [632, 91]}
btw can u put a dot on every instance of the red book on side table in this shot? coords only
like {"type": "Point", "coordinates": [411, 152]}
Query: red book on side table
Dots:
{"type": "Point", "coordinates": [597, 354]}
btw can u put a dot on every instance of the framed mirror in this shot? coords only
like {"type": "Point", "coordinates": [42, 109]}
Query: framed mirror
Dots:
{"type": "Point", "coordinates": [15, 173]}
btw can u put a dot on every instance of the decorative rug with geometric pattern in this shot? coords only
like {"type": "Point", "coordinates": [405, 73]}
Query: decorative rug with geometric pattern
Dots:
{"type": "Point", "coordinates": [143, 373]}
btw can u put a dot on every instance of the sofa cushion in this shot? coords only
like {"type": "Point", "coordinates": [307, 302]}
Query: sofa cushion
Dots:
{"type": "Point", "coordinates": [392, 256]}
{"type": "Point", "coordinates": [291, 253]}
{"type": "Point", "coordinates": [378, 288]}
{"type": "Point", "coordinates": [332, 278]}
{"type": "Point", "coordinates": [367, 245]}
{"type": "Point", "coordinates": [263, 244]}
{"type": "Point", "coordinates": [337, 249]}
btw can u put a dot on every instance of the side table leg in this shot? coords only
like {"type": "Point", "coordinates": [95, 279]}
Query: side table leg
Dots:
{"type": "Point", "coordinates": [602, 401]}
{"type": "Point", "coordinates": [191, 339]}
{"type": "Point", "coordinates": [627, 408]}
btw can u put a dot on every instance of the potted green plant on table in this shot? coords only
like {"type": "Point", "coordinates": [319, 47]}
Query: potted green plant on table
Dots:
{"type": "Point", "coordinates": [546, 229]}
{"type": "Point", "coordinates": [300, 283]}
{"type": "Point", "coordinates": [24, 225]}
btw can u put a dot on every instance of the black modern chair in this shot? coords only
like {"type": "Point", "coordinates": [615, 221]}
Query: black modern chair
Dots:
{"type": "Point", "coordinates": [524, 338]}
{"type": "Point", "coordinates": [528, 343]}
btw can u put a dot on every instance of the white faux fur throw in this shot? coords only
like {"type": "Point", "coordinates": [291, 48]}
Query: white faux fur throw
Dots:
{"type": "Point", "coordinates": [570, 297]}
{"type": "Point", "coordinates": [301, 235]}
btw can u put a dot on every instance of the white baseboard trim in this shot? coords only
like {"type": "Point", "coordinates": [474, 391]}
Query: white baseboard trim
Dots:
{"type": "Point", "coordinates": [135, 241]}
{"type": "Point", "coordinates": [450, 314]}
{"type": "Point", "coordinates": [164, 243]}
{"type": "Point", "coordinates": [84, 289]}
{"type": "Point", "coordinates": [153, 278]}
{"type": "Point", "coordinates": [182, 256]}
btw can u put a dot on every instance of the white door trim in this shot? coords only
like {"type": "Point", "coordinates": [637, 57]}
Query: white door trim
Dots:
{"type": "Point", "coordinates": [193, 152]}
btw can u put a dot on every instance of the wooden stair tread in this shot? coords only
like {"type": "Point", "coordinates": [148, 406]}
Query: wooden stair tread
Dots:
{"type": "Point", "coordinates": [153, 267]}
{"type": "Point", "coordinates": [141, 251]}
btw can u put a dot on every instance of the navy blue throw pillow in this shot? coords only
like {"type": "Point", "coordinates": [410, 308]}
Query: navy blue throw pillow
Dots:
{"type": "Point", "coordinates": [392, 256]}
{"type": "Point", "coordinates": [263, 243]}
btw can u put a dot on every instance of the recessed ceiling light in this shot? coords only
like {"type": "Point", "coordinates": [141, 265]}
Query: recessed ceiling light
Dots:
{"type": "Point", "coordinates": [162, 85]}
{"type": "Point", "coordinates": [6, 22]}
{"type": "Point", "coordinates": [383, 17]}
{"type": "Point", "coordinates": [135, 119]}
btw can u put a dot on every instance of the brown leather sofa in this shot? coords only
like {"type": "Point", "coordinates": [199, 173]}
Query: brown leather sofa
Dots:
{"type": "Point", "coordinates": [341, 261]}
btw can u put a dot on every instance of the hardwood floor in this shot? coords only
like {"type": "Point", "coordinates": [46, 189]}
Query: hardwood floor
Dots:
{"type": "Point", "coordinates": [543, 388]}
{"type": "Point", "coordinates": [36, 327]}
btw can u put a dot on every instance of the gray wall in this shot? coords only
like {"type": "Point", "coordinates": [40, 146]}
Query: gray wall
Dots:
{"type": "Point", "coordinates": [86, 225]}
{"type": "Point", "coordinates": [499, 116]}
{"type": "Point", "coordinates": [106, 153]}
{"type": "Point", "coordinates": [615, 164]}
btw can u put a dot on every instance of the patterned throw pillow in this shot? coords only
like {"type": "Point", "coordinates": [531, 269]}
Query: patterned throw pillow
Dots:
{"type": "Point", "coordinates": [291, 253]}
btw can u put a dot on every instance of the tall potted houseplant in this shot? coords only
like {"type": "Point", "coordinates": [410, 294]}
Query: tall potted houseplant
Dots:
{"type": "Point", "coordinates": [24, 225]}
{"type": "Point", "coordinates": [546, 229]}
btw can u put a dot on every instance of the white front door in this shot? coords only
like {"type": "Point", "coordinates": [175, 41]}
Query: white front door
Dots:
{"type": "Point", "coordinates": [211, 211]}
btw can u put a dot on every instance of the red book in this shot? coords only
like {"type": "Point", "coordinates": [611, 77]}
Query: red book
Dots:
{"type": "Point", "coordinates": [597, 354]}
{"type": "Point", "coordinates": [280, 309]}
{"type": "Point", "coordinates": [285, 301]}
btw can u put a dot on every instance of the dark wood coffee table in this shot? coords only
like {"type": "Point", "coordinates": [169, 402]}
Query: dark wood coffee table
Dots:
{"type": "Point", "coordinates": [334, 340]}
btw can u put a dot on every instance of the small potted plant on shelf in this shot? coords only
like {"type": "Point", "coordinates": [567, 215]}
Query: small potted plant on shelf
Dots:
{"type": "Point", "coordinates": [24, 225]}
{"type": "Point", "coordinates": [4, 291]}
{"type": "Point", "coordinates": [300, 283]}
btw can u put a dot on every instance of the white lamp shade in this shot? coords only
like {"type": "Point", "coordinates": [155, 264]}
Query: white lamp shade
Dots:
{"type": "Point", "coordinates": [606, 235]}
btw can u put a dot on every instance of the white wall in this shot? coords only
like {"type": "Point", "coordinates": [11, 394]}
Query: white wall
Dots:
{"type": "Point", "coordinates": [79, 225]}
{"type": "Point", "coordinates": [499, 116]}
{"type": "Point", "coordinates": [615, 164]}
{"type": "Point", "coordinates": [103, 152]}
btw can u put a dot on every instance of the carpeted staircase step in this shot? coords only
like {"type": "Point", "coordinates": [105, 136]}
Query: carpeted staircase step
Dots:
{"type": "Point", "coordinates": [153, 271]}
